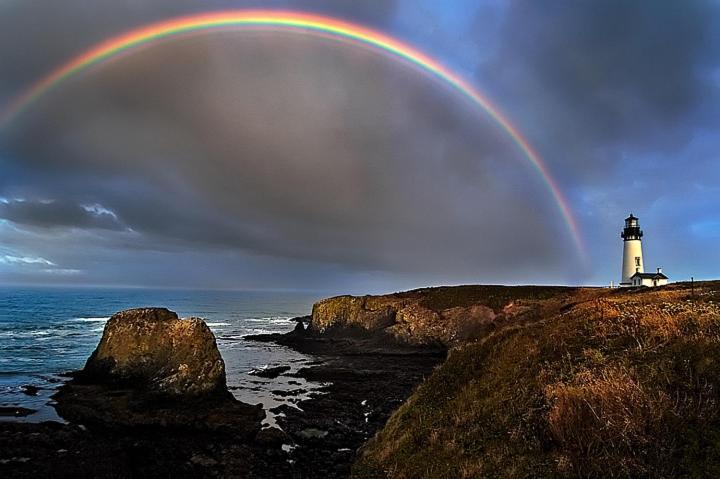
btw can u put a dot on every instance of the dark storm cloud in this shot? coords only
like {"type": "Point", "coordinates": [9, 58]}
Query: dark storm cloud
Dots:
{"type": "Point", "coordinates": [36, 36]}
{"type": "Point", "coordinates": [273, 159]}
{"type": "Point", "coordinates": [619, 96]}
{"type": "Point", "coordinates": [59, 213]}
{"type": "Point", "coordinates": [390, 166]}
{"type": "Point", "coordinates": [612, 74]}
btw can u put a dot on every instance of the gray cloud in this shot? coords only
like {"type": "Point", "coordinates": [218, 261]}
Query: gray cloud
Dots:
{"type": "Point", "coordinates": [275, 159]}
{"type": "Point", "coordinates": [59, 213]}
{"type": "Point", "coordinates": [53, 32]}
{"type": "Point", "coordinates": [614, 76]}
{"type": "Point", "coordinates": [390, 166]}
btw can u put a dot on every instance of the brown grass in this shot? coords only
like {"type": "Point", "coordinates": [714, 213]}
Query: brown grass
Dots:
{"type": "Point", "coordinates": [597, 383]}
{"type": "Point", "coordinates": [601, 413]}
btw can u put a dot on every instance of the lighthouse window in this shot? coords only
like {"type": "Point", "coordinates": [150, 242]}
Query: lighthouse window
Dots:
{"type": "Point", "coordinates": [637, 261]}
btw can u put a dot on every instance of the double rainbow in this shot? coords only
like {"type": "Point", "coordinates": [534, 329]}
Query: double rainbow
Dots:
{"type": "Point", "coordinates": [304, 23]}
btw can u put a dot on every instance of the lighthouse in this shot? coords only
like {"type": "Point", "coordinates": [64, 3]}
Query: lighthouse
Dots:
{"type": "Point", "coordinates": [632, 250]}
{"type": "Point", "coordinates": [633, 267]}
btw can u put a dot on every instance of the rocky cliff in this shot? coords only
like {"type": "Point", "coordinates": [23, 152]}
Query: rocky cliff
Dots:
{"type": "Point", "coordinates": [596, 383]}
{"type": "Point", "coordinates": [444, 316]}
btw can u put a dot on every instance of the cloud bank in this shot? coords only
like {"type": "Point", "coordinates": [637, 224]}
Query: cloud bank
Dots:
{"type": "Point", "coordinates": [271, 159]}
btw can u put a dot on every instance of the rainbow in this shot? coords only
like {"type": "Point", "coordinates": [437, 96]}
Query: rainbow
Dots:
{"type": "Point", "coordinates": [294, 21]}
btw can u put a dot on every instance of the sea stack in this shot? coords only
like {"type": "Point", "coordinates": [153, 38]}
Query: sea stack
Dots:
{"type": "Point", "coordinates": [153, 349]}
{"type": "Point", "coordinates": [152, 369]}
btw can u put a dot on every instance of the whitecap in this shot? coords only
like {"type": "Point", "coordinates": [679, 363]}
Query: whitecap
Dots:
{"type": "Point", "coordinates": [217, 324]}
{"type": "Point", "coordinates": [270, 319]}
{"type": "Point", "coordinates": [90, 320]}
{"type": "Point", "coordinates": [260, 331]}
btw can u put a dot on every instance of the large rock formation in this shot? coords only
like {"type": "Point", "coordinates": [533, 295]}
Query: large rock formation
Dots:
{"type": "Point", "coordinates": [153, 369]}
{"type": "Point", "coordinates": [599, 383]}
{"type": "Point", "coordinates": [444, 316]}
{"type": "Point", "coordinates": [153, 349]}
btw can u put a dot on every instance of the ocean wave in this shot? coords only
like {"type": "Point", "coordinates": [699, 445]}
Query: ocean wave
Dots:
{"type": "Point", "coordinates": [270, 319]}
{"type": "Point", "coordinates": [260, 331]}
{"type": "Point", "coordinates": [90, 320]}
{"type": "Point", "coordinates": [241, 333]}
{"type": "Point", "coordinates": [217, 324]}
{"type": "Point", "coordinates": [233, 337]}
{"type": "Point", "coordinates": [26, 334]}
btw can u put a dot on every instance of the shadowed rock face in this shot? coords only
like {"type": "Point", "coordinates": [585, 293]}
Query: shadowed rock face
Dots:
{"type": "Point", "coordinates": [152, 348]}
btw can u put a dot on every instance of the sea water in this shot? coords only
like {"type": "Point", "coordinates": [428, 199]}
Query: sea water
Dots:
{"type": "Point", "coordinates": [46, 332]}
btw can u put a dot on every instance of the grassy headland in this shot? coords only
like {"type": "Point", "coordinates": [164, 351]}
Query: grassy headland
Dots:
{"type": "Point", "coordinates": [567, 383]}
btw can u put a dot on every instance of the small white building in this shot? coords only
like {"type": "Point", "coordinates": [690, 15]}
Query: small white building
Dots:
{"type": "Point", "coordinates": [649, 279]}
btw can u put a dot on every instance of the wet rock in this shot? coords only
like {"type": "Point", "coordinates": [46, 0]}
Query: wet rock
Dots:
{"type": "Point", "coordinates": [16, 411]}
{"type": "Point", "coordinates": [312, 433]}
{"type": "Point", "coordinates": [203, 460]}
{"type": "Point", "coordinates": [328, 374]}
{"type": "Point", "coordinates": [291, 392]}
{"type": "Point", "coordinates": [30, 390]}
{"type": "Point", "coordinates": [107, 407]}
{"type": "Point", "coordinates": [299, 328]}
{"type": "Point", "coordinates": [21, 460]}
{"type": "Point", "coordinates": [271, 437]}
{"type": "Point", "coordinates": [270, 373]}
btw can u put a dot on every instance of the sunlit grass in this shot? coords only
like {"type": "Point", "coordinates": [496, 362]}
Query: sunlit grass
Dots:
{"type": "Point", "coordinates": [596, 383]}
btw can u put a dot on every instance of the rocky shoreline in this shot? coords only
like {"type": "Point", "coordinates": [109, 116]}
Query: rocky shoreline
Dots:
{"type": "Point", "coordinates": [117, 429]}
{"type": "Point", "coordinates": [468, 381]}
{"type": "Point", "coordinates": [366, 375]}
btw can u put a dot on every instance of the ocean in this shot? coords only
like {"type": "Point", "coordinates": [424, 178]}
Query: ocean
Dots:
{"type": "Point", "coordinates": [45, 332]}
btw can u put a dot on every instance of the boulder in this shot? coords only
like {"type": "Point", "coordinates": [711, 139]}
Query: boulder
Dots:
{"type": "Point", "coordinates": [151, 348]}
{"type": "Point", "coordinates": [270, 372]}
{"type": "Point", "coordinates": [152, 369]}
{"type": "Point", "coordinates": [271, 437]}
{"type": "Point", "coordinates": [16, 411]}
{"type": "Point", "coordinates": [30, 390]}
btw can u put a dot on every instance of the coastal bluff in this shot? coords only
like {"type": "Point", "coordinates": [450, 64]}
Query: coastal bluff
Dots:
{"type": "Point", "coordinates": [584, 382]}
{"type": "Point", "coordinates": [442, 317]}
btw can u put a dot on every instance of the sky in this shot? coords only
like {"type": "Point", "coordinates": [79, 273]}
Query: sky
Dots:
{"type": "Point", "coordinates": [276, 159]}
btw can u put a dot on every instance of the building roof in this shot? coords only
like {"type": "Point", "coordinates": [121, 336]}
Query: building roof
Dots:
{"type": "Point", "coordinates": [649, 276]}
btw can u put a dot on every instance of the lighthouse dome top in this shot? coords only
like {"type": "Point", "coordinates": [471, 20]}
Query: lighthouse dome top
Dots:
{"type": "Point", "coordinates": [632, 229]}
{"type": "Point", "coordinates": [631, 221]}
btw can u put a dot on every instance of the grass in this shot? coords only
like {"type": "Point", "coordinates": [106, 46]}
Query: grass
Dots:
{"type": "Point", "coordinates": [495, 297]}
{"type": "Point", "coordinates": [593, 383]}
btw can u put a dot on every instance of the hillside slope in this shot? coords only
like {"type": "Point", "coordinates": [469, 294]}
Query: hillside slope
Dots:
{"type": "Point", "coordinates": [589, 383]}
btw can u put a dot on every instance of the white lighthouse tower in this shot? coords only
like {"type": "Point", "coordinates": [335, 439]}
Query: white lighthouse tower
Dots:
{"type": "Point", "coordinates": [632, 250]}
